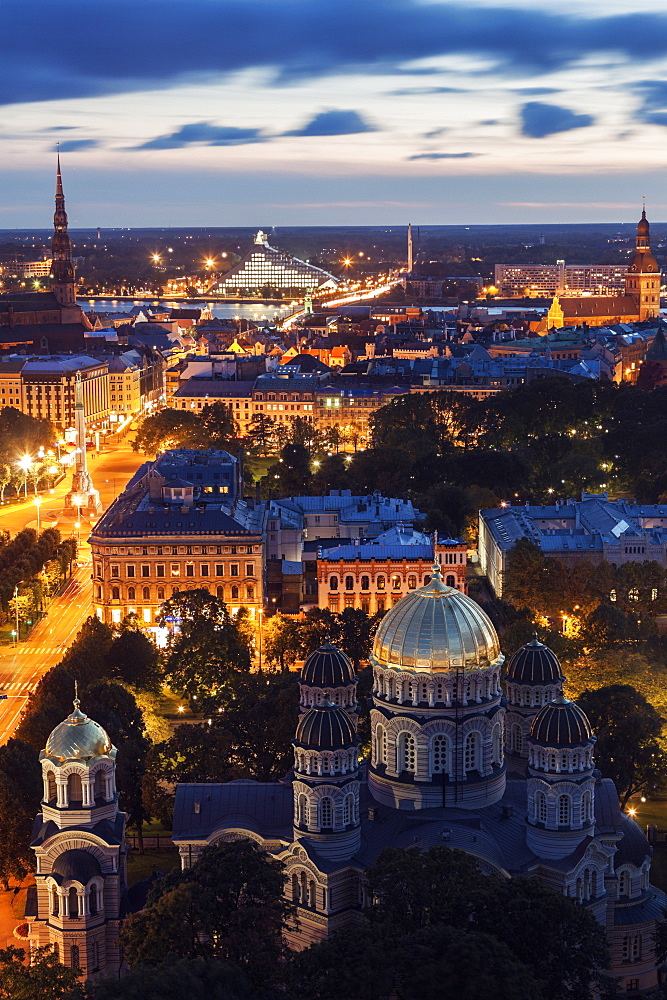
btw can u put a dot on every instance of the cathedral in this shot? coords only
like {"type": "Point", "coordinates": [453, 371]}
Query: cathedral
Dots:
{"type": "Point", "coordinates": [640, 302]}
{"type": "Point", "coordinates": [509, 778]}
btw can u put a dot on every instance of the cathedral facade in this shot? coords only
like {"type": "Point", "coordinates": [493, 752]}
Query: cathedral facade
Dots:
{"type": "Point", "coordinates": [508, 777]}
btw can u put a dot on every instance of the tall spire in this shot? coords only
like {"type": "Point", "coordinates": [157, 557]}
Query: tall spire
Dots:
{"type": "Point", "coordinates": [62, 267]}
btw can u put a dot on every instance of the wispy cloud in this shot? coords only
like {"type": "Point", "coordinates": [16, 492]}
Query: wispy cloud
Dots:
{"type": "Point", "coordinates": [334, 123]}
{"type": "Point", "coordinates": [442, 156]}
{"type": "Point", "coordinates": [206, 133]}
{"type": "Point", "coordinates": [75, 145]}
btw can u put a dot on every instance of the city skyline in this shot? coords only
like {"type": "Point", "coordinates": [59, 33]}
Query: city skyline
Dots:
{"type": "Point", "coordinates": [253, 114]}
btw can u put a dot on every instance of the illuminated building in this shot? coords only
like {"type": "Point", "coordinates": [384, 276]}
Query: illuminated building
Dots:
{"type": "Point", "coordinates": [440, 769]}
{"type": "Point", "coordinates": [266, 267]}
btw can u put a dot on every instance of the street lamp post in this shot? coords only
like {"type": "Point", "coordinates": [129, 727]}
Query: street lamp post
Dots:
{"type": "Point", "coordinates": [25, 464]}
{"type": "Point", "coordinates": [16, 608]}
{"type": "Point", "coordinates": [38, 504]}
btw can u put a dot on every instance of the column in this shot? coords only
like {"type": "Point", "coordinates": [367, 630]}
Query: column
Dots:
{"type": "Point", "coordinates": [61, 788]}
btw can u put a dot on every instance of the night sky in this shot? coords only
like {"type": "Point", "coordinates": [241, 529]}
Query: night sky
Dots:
{"type": "Point", "coordinates": [339, 112]}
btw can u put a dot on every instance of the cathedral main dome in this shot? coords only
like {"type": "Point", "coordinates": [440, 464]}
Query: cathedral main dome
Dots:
{"type": "Point", "coordinates": [436, 629]}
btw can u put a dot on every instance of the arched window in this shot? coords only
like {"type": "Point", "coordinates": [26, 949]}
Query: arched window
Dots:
{"type": "Point", "coordinates": [131, 594]}
{"type": "Point", "coordinates": [100, 785]}
{"type": "Point", "coordinates": [624, 883]}
{"type": "Point", "coordinates": [160, 593]}
{"type": "Point", "coordinates": [407, 753]}
{"type": "Point", "coordinates": [250, 593]}
{"type": "Point", "coordinates": [516, 738]}
{"type": "Point", "coordinates": [471, 752]}
{"type": "Point", "coordinates": [74, 791]}
{"type": "Point", "coordinates": [349, 583]}
{"type": "Point", "coordinates": [553, 761]}
{"type": "Point", "coordinates": [96, 956]}
{"type": "Point", "coordinates": [326, 812]}
{"type": "Point", "coordinates": [333, 583]}
{"type": "Point", "coordinates": [365, 583]}
{"type": "Point", "coordinates": [439, 756]}
{"type": "Point", "coordinates": [302, 810]}
{"type": "Point", "coordinates": [146, 594]}
{"type": "Point", "coordinates": [348, 809]}
{"type": "Point", "coordinates": [74, 960]}
{"type": "Point", "coordinates": [115, 593]}
{"type": "Point", "coordinates": [92, 900]}
{"type": "Point", "coordinates": [412, 583]}
{"type": "Point", "coordinates": [451, 581]}
{"type": "Point", "coordinates": [381, 582]}
{"type": "Point", "coordinates": [235, 593]}
{"type": "Point", "coordinates": [395, 581]}
{"type": "Point", "coordinates": [540, 807]}
{"type": "Point", "coordinates": [586, 807]}
{"type": "Point", "coordinates": [55, 909]}
{"type": "Point", "coordinates": [52, 791]}
{"type": "Point", "coordinates": [73, 904]}
{"type": "Point", "coordinates": [497, 744]}
{"type": "Point", "coordinates": [295, 888]}
{"type": "Point", "coordinates": [564, 810]}
{"type": "Point", "coordinates": [220, 593]}
{"type": "Point", "coordinates": [380, 745]}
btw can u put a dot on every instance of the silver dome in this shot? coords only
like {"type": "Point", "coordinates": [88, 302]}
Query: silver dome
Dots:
{"type": "Point", "coordinates": [436, 629]}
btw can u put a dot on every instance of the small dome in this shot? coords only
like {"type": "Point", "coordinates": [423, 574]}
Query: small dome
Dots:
{"type": "Point", "coordinates": [77, 738]}
{"type": "Point", "coordinates": [437, 629]}
{"type": "Point", "coordinates": [561, 724]}
{"type": "Point", "coordinates": [76, 864]}
{"type": "Point", "coordinates": [643, 228]}
{"type": "Point", "coordinates": [328, 667]}
{"type": "Point", "coordinates": [326, 727]}
{"type": "Point", "coordinates": [534, 663]}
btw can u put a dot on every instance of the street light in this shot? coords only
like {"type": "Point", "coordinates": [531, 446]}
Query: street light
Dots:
{"type": "Point", "coordinates": [16, 608]}
{"type": "Point", "coordinates": [38, 504]}
{"type": "Point", "coordinates": [25, 463]}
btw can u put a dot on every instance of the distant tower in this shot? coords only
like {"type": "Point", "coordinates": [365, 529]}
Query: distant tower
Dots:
{"type": "Point", "coordinates": [308, 303]}
{"type": "Point", "coordinates": [63, 283]}
{"type": "Point", "coordinates": [79, 845]}
{"type": "Point", "coordinates": [83, 496]}
{"type": "Point", "coordinates": [410, 249]}
{"type": "Point", "coordinates": [642, 280]}
{"type": "Point", "coordinates": [99, 233]}
{"type": "Point", "coordinates": [533, 679]}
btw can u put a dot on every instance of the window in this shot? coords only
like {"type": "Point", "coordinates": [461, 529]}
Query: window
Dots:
{"type": "Point", "coordinates": [586, 807]}
{"type": "Point", "coordinates": [564, 810]}
{"type": "Point", "coordinates": [349, 583]}
{"type": "Point", "coordinates": [395, 582]}
{"type": "Point", "coordinates": [189, 569]}
{"type": "Point", "coordinates": [92, 900]}
{"type": "Point", "coordinates": [160, 593]}
{"type": "Point", "coordinates": [234, 569]}
{"type": "Point", "coordinates": [407, 753]}
{"type": "Point", "coordinates": [146, 593]}
{"type": "Point", "coordinates": [348, 809]}
{"type": "Point", "coordinates": [203, 569]}
{"type": "Point", "coordinates": [497, 744]}
{"type": "Point", "coordinates": [235, 593]}
{"type": "Point", "coordinates": [381, 583]}
{"type": "Point", "coordinates": [219, 569]}
{"type": "Point", "coordinates": [380, 745]}
{"type": "Point", "coordinates": [145, 570]}
{"type": "Point", "coordinates": [365, 583]}
{"type": "Point", "coordinates": [51, 787]}
{"type": "Point", "coordinates": [72, 904]}
{"type": "Point", "coordinates": [54, 902]}
{"type": "Point", "coordinates": [516, 738]}
{"type": "Point", "coordinates": [129, 571]}
{"type": "Point", "coordinates": [631, 984]}
{"type": "Point", "coordinates": [439, 764]}
{"type": "Point", "coordinates": [131, 594]}
{"type": "Point", "coordinates": [115, 593]}
{"type": "Point", "coordinates": [160, 570]}
{"type": "Point", "coordinates": [471, 752]}
{"type": "Point", "coordinates": [540, 807]}
{"type": "Point", "coordinates": [250, 593]}
{"type": "Point", "coordinates": [249, 569]}
{"type": "Point", "coordinates": [333, 583]}
{"type": "Point", "coordinates": [220, 592]}
{"type": "Point", "coordinates": [624, 883]}
{"type": "Point", "coordinates": [175, 569]}
{"type": "Point", "coordinates": [115, 572]}
{"type": "Point", "coordinates": [74, 960]}
{"type": "Point", "coordinates": [380, 604]}
{"type": "Point", "coordinates": [302, 810]}
{"type": "Point", "coordinates": [412, 583]}
{"type": "Point", "coordinates": [96, 956]}
{"type": "Point", "coordinates": [451, 581]}
{"type": "Point", "coordinates": [326, 812]}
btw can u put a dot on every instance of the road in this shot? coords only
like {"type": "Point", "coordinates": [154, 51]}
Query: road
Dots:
{"type": "Point", "coordinates": [22, 666]}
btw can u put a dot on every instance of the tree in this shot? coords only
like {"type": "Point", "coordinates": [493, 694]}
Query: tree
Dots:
{"type": "Point", "coordinates": [606, 625]}
{"type": "Point", "coordinates": [628, 731]}
{"type": "Point", "coordinates": [5, 478]}
{"type": "Point", "coordinates": [207, 656]}
{"type": "Point", "coordinates": [282, 640]}
{"type": "Point", "coordinates": [43, 979]}
{"type": "Point", "coordinates": [291, 476]}
{"type": "Point", "coordinates": [228, 906]}
{"type": "Point", "coordinates": [134, 659]}
{"type": "Point", "coordinates": [179, 980]}
{"type": "Point", "coordinates": [20, 795]}
{"type": "Point", "coordinates": [355, 633]}
{"type": "Point", "coordinates": [166, 429]}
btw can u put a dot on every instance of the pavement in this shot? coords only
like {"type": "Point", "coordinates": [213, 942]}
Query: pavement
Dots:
{"type": "Point", "coordinates": [24, 664]}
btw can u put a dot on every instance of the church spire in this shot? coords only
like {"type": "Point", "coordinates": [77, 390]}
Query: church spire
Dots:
{"type": "Point", "coordinates": [62, 266]}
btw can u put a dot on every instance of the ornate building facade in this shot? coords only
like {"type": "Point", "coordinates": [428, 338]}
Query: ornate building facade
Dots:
{"type": "Point", "coordinates": [510, 779]}
{"type": "Point", "coordinates": [80, 851]}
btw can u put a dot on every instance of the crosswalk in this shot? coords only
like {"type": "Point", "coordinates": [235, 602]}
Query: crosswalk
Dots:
{"type": "Point", "coordinates": [27, 650]}
{"type": "Point", "coordinates": [16, 688]}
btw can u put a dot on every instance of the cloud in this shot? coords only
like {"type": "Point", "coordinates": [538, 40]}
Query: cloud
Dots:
{"type": "Point", "coordinates": [74, 145]}
{"type": "Point", "coordinates": [654, 97]}
{"type": "Point", "coordinates": [421, 91]}
{"type": "Point", "coordinates": [334, 123]}
{"type": "Point", "coordinates": [535, 91]}
{"type": "Point", "coordinates": [539, 120]}
{"type": "Point", "coordinates": [162, 43]}
{"type": "Point", "coordinates": [206, 133]}
{"type": "Point", "coordinates": [442, 156]}
{"type": "Point", "coordinates": [434, 133]}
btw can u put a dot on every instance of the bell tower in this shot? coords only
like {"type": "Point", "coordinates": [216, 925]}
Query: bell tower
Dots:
{"type": "Point", "coordinates": [63, 283]}
{"type": "Point", "coordinates": [642, 280]}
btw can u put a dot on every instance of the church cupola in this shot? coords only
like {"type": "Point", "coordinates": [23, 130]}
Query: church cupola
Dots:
{"type": "Point", "coordinates": [63, 284]}
{"type": "Point", "coordinates": [328, 675]}
{"type": "Point", "coordinates": [561, 786]}
{"type": "Point", "coordinates": [533, 679]}
{"type": "Point", "coordinates": [326, 780]}
{"type": "Point", "coordinates": [80, 851]}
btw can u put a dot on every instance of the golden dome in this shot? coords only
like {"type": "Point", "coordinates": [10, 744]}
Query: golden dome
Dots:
{"type": "Point", "coordinates": [436, 629]}
{"type": "Point", "coordinates": [77, 738]}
